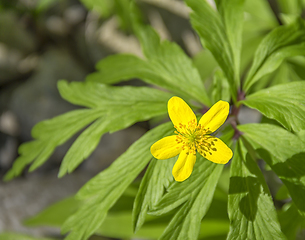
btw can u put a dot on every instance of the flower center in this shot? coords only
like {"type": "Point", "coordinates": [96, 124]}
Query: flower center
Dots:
{"type": "Point", "coordinates": [194, 137]}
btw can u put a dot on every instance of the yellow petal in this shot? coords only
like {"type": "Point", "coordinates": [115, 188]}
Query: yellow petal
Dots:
{"type": "Point", "coordinates": [216, 116]}
{"type": "Point", "coordinates": [166, 147]}
{"type": "Point", "coordinates": [216, 150]}
{"type": "Point", "coordinates": [184, 166]}
{"type": "Point", "coordinates": [180, 113]}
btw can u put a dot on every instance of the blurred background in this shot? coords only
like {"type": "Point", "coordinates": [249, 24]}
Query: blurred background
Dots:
{"type": "Point", "coordinates": [43, 41]}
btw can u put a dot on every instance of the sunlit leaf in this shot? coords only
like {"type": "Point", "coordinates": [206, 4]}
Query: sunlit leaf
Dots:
{"type": "Point", "coordinates": [284, 152]}
{"type": "Point", "coordinates": [156, 179]}
{"type": "Point", "coordinates": [166, 65]}
{"type": "Point", "coordinates": [215, 31]}
{"type": "Point", "coordinates": [111, 109]}
{"type": "Point", "coordinates": [251, 210]}
{"type": "Point", "coordinates": [284, 103]}
{"type": "Point", "coordinates": [282, 42]}
{"type": "Point", "coordinates": [194, 197]}
{"type": "Point", "coordinates": [114, 180]}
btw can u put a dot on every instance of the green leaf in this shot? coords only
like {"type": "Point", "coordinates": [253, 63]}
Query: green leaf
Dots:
{"type": "Point", "coordinates": [195, 195]}
{"type": "Point", "coordinates": [206, 59]}
{"type": "Point", "coordinates": [250, 207]}
{"type": "Point", "coordinates": [291, 221]}
{"type": "Point", "coordinates": [284, 103]}
{"type": "Point", "coordinates": [118, 223]}
{"type": "Point", "coordinates": [215, 31]}
{"type": "Point", "coordinates": [232, 13]}
{"type": "Point", "coordinates": [123, 106]}
{"type": "Point", "coordinates": [50, 134]}
{"type": "Point", "coordinates": [282, 193]}
{"type": "Point", "coordinates": [18, 236]}
{"type": "Point", "coordinates": [156, 179]}
{"type": "Point", "coordinates": [113, 108]}
{"type": "Point", "coordinates": [221, 88]}
{"type": "Point", "coordinates": [103, 190]}
{"type": "Point", "coordinates": [291, 6]}
{"type": "Point", "coordinates": [166, 65]}
{"type": "Point", "coordinates": [282, 42]}
{"type": "Point", "coordinates": [284, 152]}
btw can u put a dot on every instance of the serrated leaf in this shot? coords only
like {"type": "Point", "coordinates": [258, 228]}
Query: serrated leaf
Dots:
{"type": "Point", "coordinates": [157, 178]}
{"type": "Point", "coordinates": [50, 134]}
{"type": "Point", "coordinates": [250, 207]}
{"type": "Point", "coordinates": [122, 107]}
{"type": "Point", "coordinates": [113, 109]}
{"type": "Point", "coordinates": [284, 103]}
{"type": "Point", "coordinates": [215, 31]}
{"type": "Point", "coordinates": [102, 191]}
{"type": "Point", "coordinates": [118, 223]}
{"type": "Point", "coordinates": [166, 65]}
{"type": "Point", "coordinates": [232, 13]}
{"type": "Point", "coordinates": [284, 152]}
{"type": "Point", "coordinates": [282, 42]}
{"type": "Point", "coordinates": [195, 194]}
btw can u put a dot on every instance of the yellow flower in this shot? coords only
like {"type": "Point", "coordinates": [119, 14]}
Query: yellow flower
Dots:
{"type": "Point", "coordinates": [191, 137]}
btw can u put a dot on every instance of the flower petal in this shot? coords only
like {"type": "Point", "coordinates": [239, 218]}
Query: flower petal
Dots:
{"type": "Point", "coordinates": [216, 116]}
{"type": "Point", "coordinates": [166, 147]}
{"type": "Point", "coordinates": [184, 166]}
{"type": "Point", "coordinates": [216, 150]}
{"type": "Point", "coordinates": [180, 113]}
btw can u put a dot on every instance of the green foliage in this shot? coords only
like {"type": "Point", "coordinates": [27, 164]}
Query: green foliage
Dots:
{"type": "Point", "coordinates": [251, 211]}
{"type": "Point", "coordinates": [195, 195]}
{"type": "Point", "coordinates": [111, 109]}
{"type": "Point", "coordinates": [285, 157]}
{"type": "Point", "coordinates": [284, 103]}
{"type": "Point", "coordinates": [166, 65]}
{"type": "Point", "coordinates": [291, 221]}
{"type": "Point", "coordinates": [157, 177]}
{"type": "Point", "coordinates": [283, 42]}
{"type": "Point", "coordinates": [215, 31]}
{"type": "Point", "coordinates": [216, 201]}
{"type": "Point", "coordinates": [115, 180]}
{"type": "Point", "coordinates": [221, 87]}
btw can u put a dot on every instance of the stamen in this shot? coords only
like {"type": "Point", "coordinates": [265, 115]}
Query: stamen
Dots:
{"type": "Point", "coordinates": [194, 138]}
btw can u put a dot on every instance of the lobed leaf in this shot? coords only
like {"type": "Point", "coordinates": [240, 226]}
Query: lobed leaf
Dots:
{"type": "Point", "coordinates": [103, 190]}
{"type": "Point", "coordinates": [195, 195]}
{"type": "Point", "coordinates": [166, 65]}
{"type": "Point", "coordinates": [49, 134]}
{"type": "Point", "coordinates": [220, 32]}
{"type": "Point", "coordinates": [284, 103]}
{"type": "Point", "coordinates": [232, 14]}
{"type": "Point", "coordinates": [112, 109]}
{"type": "Point", "coordinates": [284, 152]}
{"type": "Point", "coordinates": [250, 207]}
{"type": "Point", "coordinates": [282, 42]}
{"type": "Point", "coordinates": [157, 178]}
